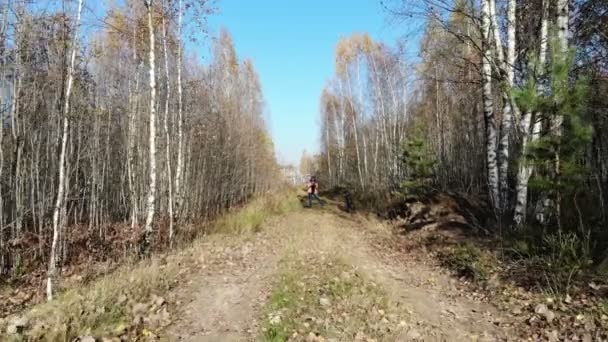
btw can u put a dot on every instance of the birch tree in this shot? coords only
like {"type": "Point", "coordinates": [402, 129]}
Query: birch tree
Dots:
{"type": "Point", "coordinates": [180, 119]}
{"type": "Point", "coordinates": [85, 190]}
{"type": "Point", "coordinates": [151, 201]}
{"type": "Point", "coordinates": [169, 173]}
{"type": "Point", "coordinates": [60, 200]}
{"type": "Point", "coordinates": [530, 126]}
{"type": "Point", "coordinates": [488, 104]}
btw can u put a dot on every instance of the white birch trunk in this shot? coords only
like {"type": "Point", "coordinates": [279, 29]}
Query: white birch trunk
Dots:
{"type": "Point", "coordinates": [180, 120]}
{"type": "Point", "coordinates": [355, 131]}
{"type": "Point", "coordinates": [150, 204]}
{"type": "Point", "coordinates": [365, 164]}
{"type": "Point", "coordinates": [528, 119]}
{"type": "Point", "coordinates": [60, 202]}
{"type": "Point", "coordinates": [563, 14]}
{"type": "Point", "coordinates": [327, 147]}
{"type": "Point", "coordinates": [488, 105]}
{"type": "Point", "coordinates": [506, 70]}
{"type": "Point", "coordinates": [167, 135]}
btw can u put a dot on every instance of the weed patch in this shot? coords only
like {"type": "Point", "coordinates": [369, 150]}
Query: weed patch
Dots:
{"type": "Point", "coordinates": [251, 217]}
{"type": "Point", "coordinates": [555, 261]}
{"type": "Point", "coordinates": [106, 307]}
{"type": "Point", "coordinates": [316, 299]}
{"type": "Point", "coordinates": [469, 261]}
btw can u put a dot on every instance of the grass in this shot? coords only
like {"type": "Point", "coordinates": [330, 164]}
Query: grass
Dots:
{"type": "Point", "coordinates": [326, 298]}
{"type": "Point", "coordinates": [251, 217]}
{"type": "Point", "coordinates": [470, 261]}
{"type": "Point", "coordinates": [104, 307]}
{"type": "Point", "coordinates": [94, 309]}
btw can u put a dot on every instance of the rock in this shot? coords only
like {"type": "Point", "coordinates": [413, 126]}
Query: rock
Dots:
{"type": "Point", "coordinates": [165, 316]}
{"type": "Point", "coordinates": [275, 319]}
{"type": "Point", "coordinates": [12, 330]}
{"type": "Point", "coordinates": [140, 309]}
{"type": "Point", "coordinates": [86, 339]}
{"type": "Point", "coordinates": [312, 337]}
{"type": "Point", "coordinates": [121, 299]}
{"type": "Point", "coordinates": [324, 301]}
{"type": "Point", "coordinates": [360, 337]}
{"type": "Point", "coordinates": [120, 329]}
{"type": "Point", "coordinates": [486, 339]}
{"type": "Point", "coordinates": [38, 329]}
{"type": "Point", "coordinates": [413, 334]}
{"type": "Point", "coordinates": [552, 336]}
{"type": "Point", "coordinates": [517, 311]}
{"type": "Point", "coordinates": [159, 301]}
{"type": "Point", "coordinates": [138, 320]}
{"type": "Point", "coordinates": [544, 311]}
{"type": "Point", "coordinates": [17, 326]}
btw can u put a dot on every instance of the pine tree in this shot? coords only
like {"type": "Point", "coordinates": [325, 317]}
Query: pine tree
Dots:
{"type": "Point", "coordinates": [419, 162]}
{"type": "Point", "coordinates": [565, 98]}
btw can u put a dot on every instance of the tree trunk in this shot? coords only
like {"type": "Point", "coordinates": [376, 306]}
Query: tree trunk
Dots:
{"type": "Point", "coordinates": [488, 106]}
{"type": "Point", "coordinates": [60, 201]}
{"type": "Point", "coordinates": [167, 135]}
{"type": "Point", "coordinates": [151, 201]}
{"type": "Point", "coordinates": [355, 131]}
{"type": "Point", "coordinates": [327, 147]}
{"type": "Point", "coordinates": [563, 14]}
{"type": "Point", "coordinates": [508, 106]}
{"type": "Point", "coordinates": [180, 120]}
{"type": "Point", "coordinates": [530, 121]}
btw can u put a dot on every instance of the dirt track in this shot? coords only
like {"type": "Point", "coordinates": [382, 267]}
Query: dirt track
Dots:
{"type": "Point", "coordinates": [223, 301]}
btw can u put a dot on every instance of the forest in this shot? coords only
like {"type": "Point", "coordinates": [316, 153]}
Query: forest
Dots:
{"type": "Point", "coordinates": [463, 173]}
{"type": "Point", "coordinates": [505, 103]}
{"type": "Point", "coordinates": [116, 138]}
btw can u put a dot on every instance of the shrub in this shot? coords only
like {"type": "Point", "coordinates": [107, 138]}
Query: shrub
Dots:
{"type": "Point", "coordinates": [554, 260]}
{"type": "Point", "coordinates": [564, 257]}
{"type": "Point", "coordinates": [469, 261]}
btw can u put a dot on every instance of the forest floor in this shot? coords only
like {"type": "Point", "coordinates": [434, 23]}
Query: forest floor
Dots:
{"type": "Point", "coordinates": [315, 274]}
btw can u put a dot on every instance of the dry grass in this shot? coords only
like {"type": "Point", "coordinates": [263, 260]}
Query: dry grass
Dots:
{"type": "Point", "coordinates": [104, 306]}
{"type": "Point", "coordinates": [251, 217]}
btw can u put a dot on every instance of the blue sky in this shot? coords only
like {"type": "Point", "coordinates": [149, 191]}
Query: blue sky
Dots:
{"type": "Point", "coordinates": [292, 46]}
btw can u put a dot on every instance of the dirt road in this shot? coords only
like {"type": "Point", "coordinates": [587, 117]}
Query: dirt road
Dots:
{"type": "Point", "coordinates": [241, 291]}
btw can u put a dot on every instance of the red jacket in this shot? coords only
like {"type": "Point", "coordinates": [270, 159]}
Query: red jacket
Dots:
{"type": "Point", "coordinates": [313, 187]}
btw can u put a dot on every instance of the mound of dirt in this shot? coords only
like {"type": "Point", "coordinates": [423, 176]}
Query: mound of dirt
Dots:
{"type": "Point", "coordinates": [439, 212]}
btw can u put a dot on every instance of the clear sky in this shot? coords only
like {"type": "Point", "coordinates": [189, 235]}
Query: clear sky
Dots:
{"type": "Point", "coordinates": [292, 46]}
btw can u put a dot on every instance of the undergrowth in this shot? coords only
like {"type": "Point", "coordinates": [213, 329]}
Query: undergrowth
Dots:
{"type": "Point", "coordinates": [102, 308]}
{"type": "Point", "coordinates": [468, 260]}
{"type": "Point", "coordinates": [554, 261]}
